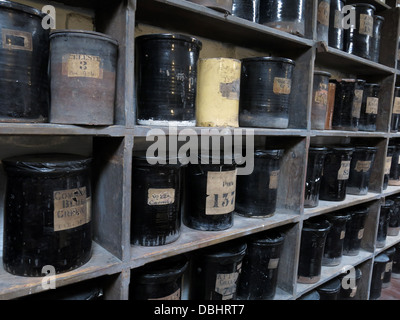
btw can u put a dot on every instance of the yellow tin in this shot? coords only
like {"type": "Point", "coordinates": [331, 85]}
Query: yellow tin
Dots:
{"type": "Point", "coordinates": [218, 91]}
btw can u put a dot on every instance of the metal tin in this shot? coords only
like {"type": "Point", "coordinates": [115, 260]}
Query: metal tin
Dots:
{"type": "Point", "coordinates": [355, 231]}
{"type": "Point", "coordinates": [388, 166]}
{"type": "Point", "coordinates": [224, 6]}
{"type": "Point", "coordinates": [265, 88]}
{"type": "Point", "coordinates": [246, 9]}
{"type": "Point", "coordinates": [285, 15]}
{"type": "Point", "coordinates": [394, 218]}
{"type": "Point", "coordinates": [24, 55]}
{"type": "Point", "coordinates": [358, 40]}
{"type": "Point", "coordinates": [384, 217]}
{"type": "Point", "coordinates": [394, 175]}
{"type": "Point", "coordinates": [166, 76]}
{"type": "Point", "coordinates": [336, 31]}
{"type": "Point", "coordinates": [83, 77]}
{"type": "Point", "coordinates": [369, 107]}
{"type": "Point", "coordinates": [378, 271]}
{"type": "Point", "coordinates": [256, 193]}
{"type": "Point", "coordinates": [389, 267]}
{"type": "Point", "coordinates": [375, 45]}
{"type": "Point", "coordinates": [315, 166]}
{"type": "Point", "coordinates": [320, 99]}
{"type": "Point", "coordinates": [218, 91]}
{"type": "Point", "coordinates": [330, 290]}
{"type": "Point", "coordinates": [324, 8]}
{"type": "Point", "coordinates": [395, 123]}
{"type": "Point", "coordinates": [47, 219]}
{"type": "Point", "coordinates": [348, 102]}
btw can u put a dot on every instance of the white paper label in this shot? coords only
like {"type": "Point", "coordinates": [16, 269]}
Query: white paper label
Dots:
{"type": "Point", "coordinates": [221, 192]}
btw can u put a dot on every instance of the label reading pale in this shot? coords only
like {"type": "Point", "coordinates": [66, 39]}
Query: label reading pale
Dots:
{"type": "Point", "coordinates": [160, 197]}
{"type": "Point", "coordinates": [71, 208]}
{"type": "Point", "coordinates": [221, 192]}
{"type": "Point", "coordinates": [282, 86]}
{"type": "Point", "coordinates": [344, 171]}
{"type": "Point", "coordinates": [82, 65]}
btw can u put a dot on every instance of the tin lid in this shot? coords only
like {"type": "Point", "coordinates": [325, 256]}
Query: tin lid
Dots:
{"type": "Point", "coordinates": [319, 225]}
{"type": "Point", "coordinates": [341, 149]}
{"type": "Point", "coordinates": [317, 149]}
{"type": "Point", "coordinates": [269, 59]}
{"type": "Point", "coordinates": [342, 216]}
{"type": "Point", "coordinates": [169, 36]}
{"type": "Point", "coordinates": [382, 258]}
{"type": "Point", "coordinates": [226, 252]}
{"type": "Point", "coordinates": [389, 252]}
{"type": "Point", "coordinates": [365, 149]}
{"type": "Point", "coordinates": [272, 237]}
{"type": "Point", "coordinates": [330, 287]}
{"type": "Point", "coordinates": [275, 154]}
{"type": "Point", "coordinates": [21, 7]}
{"type": "Point", "coordinates": [359, 210]}
{"type": "Point", "coordinates": [47, 163]}
{"type": "Point", "coordinates": [82, 33]}
{"type": "Point", "coordinates": [322, 73]}
{"type": "Point", "coordinates": [370, 6]}
{"type": "Point", "coordinates": [379, 18]}
{"type": "Point", "coordinates": [387, 204]}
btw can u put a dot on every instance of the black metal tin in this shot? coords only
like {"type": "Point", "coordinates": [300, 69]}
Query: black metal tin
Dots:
{"type": "Point", "coordinates": [348, 102]}
{"type": "Point", "coordinates": [210, 194]}
{"type": "Point", "coordinates": [259, 276]}
{"type": "Point", "coordinates": [166, 79]}
{"type": "Point", "coordinates": [336, 31]}
{"type": "Point", "coordinates": [355, 231]}
{"type": "Point", "coordinates": [369, 107]}
{"type": "Point", "coordinates": [216, 271]}
{"type": "Point", "coordinates": [361, 166]}
{"type": "Point", "coordinates": [265, 88]}
{"type": "Point", "coordinates": [330, 290]}
{"type": "Point", "coordinates": [350, 281]}
{"type": "Point", "coordinates": [257, 193]}
{"type": "Point", "coordinates": [156, 198]}
{"type": "Point", "coordinates": [323, 13]}
{"type": "Point", "coordinates": [375, 45]}
{"type": "Point", "coordinates": [24, 56]}
{"type": "Point", "coordinates": [336, 173]}
{"type": "Point", "coordinates": [315, 166]}
{"type": "Point", "coordinates": [83, 72]}
{"type": "Point", "coordinates": [358, 40]}
{"type": "Point", "coordinates": [394, 219]}
{"type": "Point", "coordinates": [394, 175]}
{"type": "Point", "coordinates": [395, 123]}
{"type": "Point", "coordinates": [246, 9]}
{"type": "Point", "coordinates": [396, 262]}
{"type": "Point", "coordinates": [285, 15]}
{"type": "Point", "coordinates": [389, 267]}
{"type": "Point", "coordinates": [388, 166]}
{"type": "Point", "coordinates": [333, 250]}
{"type": "Point", "coordinates": [160, 280]}
{"type": "Point", "coordinates": [312, 245]}
{"type": "Point", "coordinates": [383, 224]}
{"type": "Point", "coordinates": [47, 216]}
{"type": "Point", "coordinates": [378, 272]}
{"type": "Point", "coordinates": [320, 99]}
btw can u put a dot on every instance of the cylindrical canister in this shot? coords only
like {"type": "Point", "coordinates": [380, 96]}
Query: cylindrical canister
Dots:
{"type": "Point", "coordinates": [329, 290]}
{"type": "Point", "coordinates": [394, 219]}
{"type": "Point", "coordinates": [285, 15]}
{"type": "Point", "coordinates": [388, 166]}
{"type": "Point", "coordinates": [246, 9]}
{"type": "Point", "coordinates": [83, 77]}
{"type": "Point", "coordinates": [369, 107]}
{"type": "Point", "coordinates": [218, 91]}
{"type": "Point", "coordinates": [160, 280]}
{"type": "Point", "coordinates": [388, 268]}
{"type": "Point", "coordinates": [394, 175]}
{"type": "Point", "coordinates": [376, 38]}
{"type": "Point", "coordinates": [355, 231]}
{"type": "Point", "coordinates": [210, 194]}
{"type": "Point", "coordinates": [396, 262]}
{"type": "Point", "coordinates": [383, 224]}
{"type": "Point", "coordinates": [259, 277]}
{"type": "Point", "coordinates": [24, 55]}
{"type": "Point", "coordinates": [378, 273]}
{"type": "Point", "coordinates": [47, 214]}
{"type": "Point", "coordinates": [336, 173]}
{"type": "Point", "coordinates": [312, 245]}
{"type": "Point", "coordinates": [265, 88]}
{"type": "Point", "coordinates": [167, 79]}
{"type": "Point", "coordinates": [358, 38]}
{"type": "Point", "coordinates": [395, 123]}
{"type": "Point", "coordinates": [224, 6]}
{"type": "Point", "coordinates": [256, 193]}
{"type": "Point", "coordinates": [333, 250]}
{"type": "Point", "coordinates": [361, 166]}
{"type": "Point", "coordinates": [324, 8]}
{"type": "Point", "coordinates": [350, 281]}
{"type": "Point", "coordinates": [216, 271]}
{"type": "Point", "coordinates": [348, 102]}
{"type": "Point", "coordinates": [331, 104]}
{"type": "Point", "coordinates": [336, 31]}
{"type": "Point", "coordinates": [320, 99]}
{"type": "Point", "coordinates": [315, 166]}
{"type": "Point", "coordinates": [156, 195]}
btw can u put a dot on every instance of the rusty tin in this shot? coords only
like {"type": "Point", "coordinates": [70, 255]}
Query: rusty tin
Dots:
{"type": "Point", "coordinates": [83, 77]}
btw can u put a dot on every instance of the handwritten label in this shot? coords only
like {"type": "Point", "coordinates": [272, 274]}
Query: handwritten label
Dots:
{"type": "Point", "coordinates": [273, 263]}
{"type": "Point", "coordinates": [366, 25]}
{"type": "Point", "coordinates": [82, 65]}
{"type": "Point", "coordinates": [221, 192]}
{"type": "Point", "coordinates": [388, 165]}
{"type": "Point", "coordinates": [338, 20]}
{"type": "Point", "coordinates": [323, 13]}
{"type": "Point", "coordinates": [321, 97]}
{"type": "Point", "coordinates": [160, 197]}
{"type": "Point", "coordinates": [71, 209]}
{"type": "Point", "coordinates": [358, 95]}
{"type": "Point", "coordinates": [344, 171]}
{"type": "Point", "coordinates": [396, 106]}
{"type": "Point", "coordinates": [372, 105]}
{"type": "Point", "coordinates": [274, 179]}
{"type": "Point", "coordinates": [225, 284]}
{"type": "Point", "coordinates": [282, 85]}
{"type": "Point", "coordinates": [16, 40]}
{"type": "Point", "coordinates": [362, 166]}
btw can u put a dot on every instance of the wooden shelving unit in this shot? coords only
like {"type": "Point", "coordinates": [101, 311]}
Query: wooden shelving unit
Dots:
{"type": "Point", "coordinates": [112, 147]}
